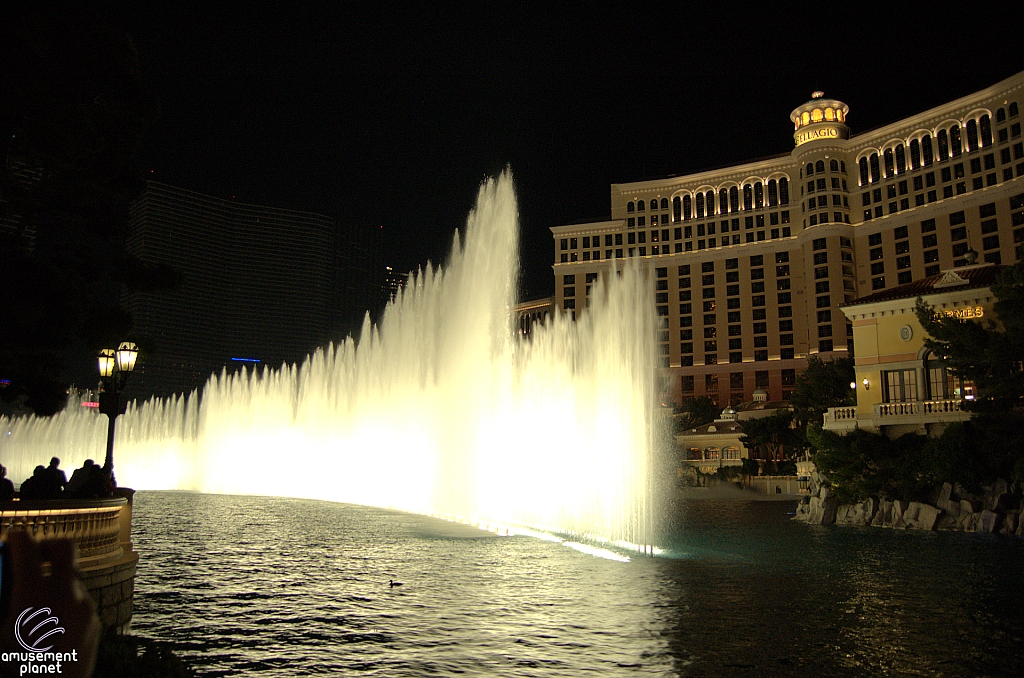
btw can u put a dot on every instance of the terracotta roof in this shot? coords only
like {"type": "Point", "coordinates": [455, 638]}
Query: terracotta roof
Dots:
{"type": "Point", "coordinates": [980, 275]}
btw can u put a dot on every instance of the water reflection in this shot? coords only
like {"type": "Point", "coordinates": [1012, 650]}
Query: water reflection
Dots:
{"type": "Point", "coordinates": [282, 586]}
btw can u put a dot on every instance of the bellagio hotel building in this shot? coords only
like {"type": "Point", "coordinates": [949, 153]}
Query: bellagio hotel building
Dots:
{"type": "Point", "coordinates": [749, 264]}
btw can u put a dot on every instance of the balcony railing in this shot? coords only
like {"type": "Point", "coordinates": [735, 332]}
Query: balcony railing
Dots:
{"type": "Point", "coordinates": [925, 407]}
{"type": "Point", "coordinates": [887, 414]}
{"type": "Point", "coordinates": [837, 414]}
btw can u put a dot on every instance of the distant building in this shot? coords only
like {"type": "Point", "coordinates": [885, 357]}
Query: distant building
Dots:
{"type": "Point", "coordinates": [750, 264]}
{"type": "Point", "coordinates": [392, 285]}
{"type": "Point", "coordinates": [529, 314]}
{"type": "Point", "coordinates": [262, 285]}
{"type": "Point", "coordinates": [901, 386]}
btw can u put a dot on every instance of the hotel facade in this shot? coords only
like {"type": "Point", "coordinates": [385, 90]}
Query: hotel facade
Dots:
{"type": "Point", "coordinates": [750, 264]}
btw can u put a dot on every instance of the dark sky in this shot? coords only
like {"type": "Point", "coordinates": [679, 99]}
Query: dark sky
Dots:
{"type": "Point", "coordinates": [391, 117]}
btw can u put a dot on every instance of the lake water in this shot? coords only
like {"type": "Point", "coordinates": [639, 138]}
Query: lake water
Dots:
{"type": "Point", "coordinates": [281, 587]}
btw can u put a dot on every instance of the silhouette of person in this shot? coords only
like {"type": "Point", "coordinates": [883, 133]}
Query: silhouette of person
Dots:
{"type": "Point", "coordinates": [6, 486]}
{"type": "Point", "coordinates": [81, 480]}
{"type": "Point", "coordinates": [58, 480]}
{"type": "Point", "coordinates": [36, 486]}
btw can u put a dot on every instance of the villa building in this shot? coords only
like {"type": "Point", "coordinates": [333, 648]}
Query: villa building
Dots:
{"type": "Point", "coordinates": [751, 264]}
{"type": "Point", "coordinates": [901, 386]}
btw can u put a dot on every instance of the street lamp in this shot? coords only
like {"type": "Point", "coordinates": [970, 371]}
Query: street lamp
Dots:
{"type": "Point", "coordinates": [115, 367]}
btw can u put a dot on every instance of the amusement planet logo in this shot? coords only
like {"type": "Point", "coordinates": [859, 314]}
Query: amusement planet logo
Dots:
{"type": "Point", "coordinates": [33, 628]}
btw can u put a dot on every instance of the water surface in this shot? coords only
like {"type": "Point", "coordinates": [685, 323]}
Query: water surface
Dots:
{"type": "Point", "coordinates": [276, 587]}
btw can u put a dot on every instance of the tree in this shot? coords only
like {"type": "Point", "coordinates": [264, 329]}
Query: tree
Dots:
{"type": "Point", "coordinates": [773, 434]}
{"type": "Point", "coordinates": [697, 412]}
{"type": "Point", "coordinates": [72, 111]}
{"type": "Point", "coordinates": [863, 464]}
{"type": "Point", "coordinates": [822, 385]}
{"type": "Point", "coordinates": [990, 354]}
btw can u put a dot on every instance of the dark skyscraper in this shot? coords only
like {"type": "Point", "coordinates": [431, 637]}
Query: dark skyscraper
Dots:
{"type": "Point", "coordinates": [260, 284]}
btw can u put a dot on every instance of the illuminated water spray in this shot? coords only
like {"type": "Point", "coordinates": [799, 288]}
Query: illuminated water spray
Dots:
{"type": "Point", "coordinates": [442, 409]}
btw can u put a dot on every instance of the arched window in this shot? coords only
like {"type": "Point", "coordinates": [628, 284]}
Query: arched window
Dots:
{"type": "Point", "coordinates": [723, 201]}
{"type": "Point", "coordinates": [696, 453]}
{"type": "Point", "coordinates": [876, 175]}
{"type": "Point", "coordinates": [819, 166]}
{"type": "Point", "coordinates": [926, 150]}
{"type": "Point", "coordinates": [758, 195]}
{"type": "Point", "coordinates": [630, 207]}
{"type": "Point", "coordinates": [943, 140]}
{"type": "Point", "coordinates": [839, 114]}
{"type": "Point", "coordinates": [640, 206]}
{"type": "Point", "coordinates": [842, 166]}
{"type": "Point", "coordinates": [986, 130]}
{"type": "Point", "coordinates": [1001, 115]}
{"type": "Point", "coordinates": [783, 191]}
{"type": "Point", "coordinates": [677, 208]}
{"type": "Point", "coordinates": [734, 199]}
{"type": "Point", "coordinates": [901, 159]}
{"type": "Point", "coordinates": [711, 203]}
{"type": "Point", "coordinates": [810, 169]}
{"type": "Point", "coordinates": [955, 147]}
{"type": "Point", "coordinates": [731, 452]}
{"type": "Point", "coordinates": [664, 203]}
{"type": "Point", "coordinates": [1013, 109]}
{"type": "Point", "coordinates": [887, 157]}
{"type": "Point", "coordinates": [700, 205]}
{"type": "Point", "coordinates": [863, 171]}
{"type": "Point", "coordinates": [748, 196]}
{"type": "Point", "coordinates": [687, 203]}
{"type": "Point", "coordinates": [972, 135]}
{"type": "Point", "coordinates": [805, 118]}
{"type": "Point", "coordinates": [833, 165]}
{"type": "Point", "coordinates": [816, 115]}
{"type": "Point", "coordinates": [915, 154]}
{"type": "Point", "coordinates": [711, 452]}
{"type": "Point", "coordinates": [773, 193]}
{"type": "Point", "coordinates": [830, 114]}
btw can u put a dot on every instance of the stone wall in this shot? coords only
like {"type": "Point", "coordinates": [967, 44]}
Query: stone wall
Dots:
{"type": "Point", "coordinates": [997, 509]}
{"type": "Point", "coordinates": [113, 590]}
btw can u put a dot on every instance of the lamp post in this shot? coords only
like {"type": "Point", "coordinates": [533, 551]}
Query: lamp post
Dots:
{"type": "Point", "coordinates": [115, 368]}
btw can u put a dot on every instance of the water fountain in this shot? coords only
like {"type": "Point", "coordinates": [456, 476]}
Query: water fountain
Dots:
{"type": "Point", "coordinates": [441, 409]}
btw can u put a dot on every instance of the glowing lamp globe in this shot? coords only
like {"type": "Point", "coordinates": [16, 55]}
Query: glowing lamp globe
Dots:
{"type": "Point", "coordinates": [106, 362]}
{"type": "Point", "coordinates": [127, 353]}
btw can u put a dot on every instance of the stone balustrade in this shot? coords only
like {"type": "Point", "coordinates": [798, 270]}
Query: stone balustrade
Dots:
{"type": "Point", "coordinates": [835, 414]}
{"type": "Point", "coordinates": [926, 407]}
{"type": "Point", "coordinates": [101, 529]}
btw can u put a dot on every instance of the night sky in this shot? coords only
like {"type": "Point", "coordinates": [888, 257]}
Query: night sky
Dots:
{"type": "Point", "coordinates": [391, 117]}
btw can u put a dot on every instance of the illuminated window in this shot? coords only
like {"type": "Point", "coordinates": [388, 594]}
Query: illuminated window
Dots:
{"type": "Point", "coordinates": [954, 141]}
{"type": "Point", "coordinates": [972, 135]}
{"type": "Point", "coordinates": [830, 114]}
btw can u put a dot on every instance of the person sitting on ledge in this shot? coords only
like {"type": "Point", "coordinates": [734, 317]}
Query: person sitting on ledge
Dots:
{"type": "Point", "coordinates": [37, 486]}
{"type": "Point", "coordinates": [56, 477]}
{"type": "Point", "coordinates": [6, 486]}
{"type": "Point", "coordinates": [81, 480]}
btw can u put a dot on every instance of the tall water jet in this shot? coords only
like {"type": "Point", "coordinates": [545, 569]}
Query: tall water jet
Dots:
{"type": "Point", "coordinates": [441, 409]}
